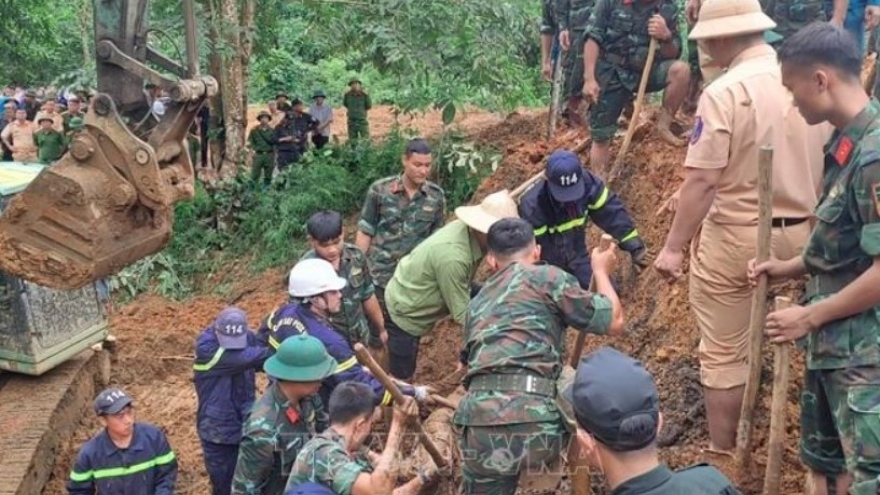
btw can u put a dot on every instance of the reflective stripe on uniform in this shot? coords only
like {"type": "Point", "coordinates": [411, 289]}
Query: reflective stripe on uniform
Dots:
{"type": "Point", "coordinates": [210, 364]}
{"type": "Point", "coordinates": [274, 343]}
{"type": "Point", "coordinates": [345, 366]}
{"type": "Point", "coordinates": [540, 231]}
{"type": "Point", "coordinates": [631, 235]}
{"type": "Point", "coordinates": [119, 472]}
{"type": "Point", "coordinates": [386, 398]}
{"type": "Point", "coordinates": [563, 227]}
{"type": "Point", "coordinates": [603, 198]}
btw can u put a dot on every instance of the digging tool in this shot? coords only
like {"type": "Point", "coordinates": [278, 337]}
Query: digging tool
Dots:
{"type": "Point", "coordinates": [637, 110]}
{"type": "Point", "coordinates": [604, 243]}
{"type": "Point", "coordinates": [365, 358]}
{"type": "Point", "coordinates": [554, 97]}
{"type": "Point", "coordinates": [776, 442]}
{"type": "Point", "coordinates": [525, 186]}
{"type": "Point", "coordinates": [443, 402]}
{"type": "Point", "coordinates": [759, 313]}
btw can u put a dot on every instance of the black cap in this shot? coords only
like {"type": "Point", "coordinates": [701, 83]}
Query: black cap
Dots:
{"type": "Point", "coordinates": [565, 177]}
{"type": "Point", "coordinates": [111, 401]}
{"type": "Point", "coordinates": [310, 489]}
{"type": "Point", "coordinates": [615, 400]}
{"type": "Point", "coordinates": [295, 102]}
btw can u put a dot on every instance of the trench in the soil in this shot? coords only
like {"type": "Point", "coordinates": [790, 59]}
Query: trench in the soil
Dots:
{"type": "Point", "coordinates": [156, 336]}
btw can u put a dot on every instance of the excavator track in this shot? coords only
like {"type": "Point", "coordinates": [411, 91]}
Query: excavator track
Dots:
{"type": "Point", "coordinates": [38, 413]}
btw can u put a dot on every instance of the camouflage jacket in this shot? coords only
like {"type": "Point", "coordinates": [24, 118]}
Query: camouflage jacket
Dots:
{"type": "Point", "coordinates": [357, 104]}
{"type": "Point", "coordinates": [273, 436]}
{"type": "Point", "coordinates": [845, 242]}
{"type": "Point", "coordinates": [574, 15]}
{"type": "Point", "coordinates": [549, 17]}
{"type": "Point", "coordinates": [350, 321]}
{"type": "Point", "coordinates": [397, 223]}
{"type": "Point", "coordinates": [620, 27]}
{"type": "Point", "coordinates": [792, 15]}
{"type": "Point", "coordinates": [325, 460]}
{"type": "Point", "coordinates": [516, 325]}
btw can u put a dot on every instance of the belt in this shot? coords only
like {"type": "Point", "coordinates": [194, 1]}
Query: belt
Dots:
{"type": "Point", "coordinates": [525, 383]}
{"type": "Point", "coordinates": [787, 222]}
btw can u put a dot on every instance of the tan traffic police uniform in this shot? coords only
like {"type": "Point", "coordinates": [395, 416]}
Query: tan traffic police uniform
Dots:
{"type": "Point", "coordinates": [57, 120]}
{"type": "Point", "coordinates": [24, 146]}
{"type": "Point", "coordinates": [744, 109]}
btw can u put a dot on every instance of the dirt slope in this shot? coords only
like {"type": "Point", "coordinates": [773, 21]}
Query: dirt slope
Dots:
{"type": "Point", "coordinates": [156, 336]}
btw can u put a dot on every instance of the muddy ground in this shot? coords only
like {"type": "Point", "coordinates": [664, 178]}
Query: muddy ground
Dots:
{"type": "Point", "coordinates": [156, 336]}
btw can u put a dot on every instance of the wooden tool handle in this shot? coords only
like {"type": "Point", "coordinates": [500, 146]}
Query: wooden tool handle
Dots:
{"type": "Point", "coordinates": [758, 315]}
{"type": "Point", "coordinates": [637, 107]}
{"type": "Point", "coordinates": [367, 360]}
{"type": "Point", "coordinates": [443, 402]}
{"type": "Point", "coordinates": [525, 186]}
{"type": "Point", "coordinates": [778, 410]}
{"type": "Point", "coordinates": [604, 243]}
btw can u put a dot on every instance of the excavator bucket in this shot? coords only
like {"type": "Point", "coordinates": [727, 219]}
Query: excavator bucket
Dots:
{"type": "Point", "coordinates": [106, 204]}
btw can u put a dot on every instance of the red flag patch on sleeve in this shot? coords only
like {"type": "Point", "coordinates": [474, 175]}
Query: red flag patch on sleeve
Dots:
{"type": "Point", "coordinates": [875, 189]}
{"type": "Point", "coordinates": [844, 149]}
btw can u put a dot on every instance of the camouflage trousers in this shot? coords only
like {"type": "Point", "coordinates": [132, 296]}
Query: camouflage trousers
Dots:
{"type": "Point", "coordinates": [494, 457]}
{"type": "Point", "coordinates": [262, 165]}
{"type": "Point", "coordinates": [615, 94]}
{"type": "Point", "coordinates": [573, 65]}
{"type": "Point", "coordinates": [840, 425]}
{"type": "Point", "coordinates": [358, 129]}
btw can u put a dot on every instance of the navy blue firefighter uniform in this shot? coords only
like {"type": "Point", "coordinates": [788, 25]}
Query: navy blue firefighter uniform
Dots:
{"type": "Point", "coordinates": [227, 355]}
{"type": "Point", "coordinates": [561, 206]}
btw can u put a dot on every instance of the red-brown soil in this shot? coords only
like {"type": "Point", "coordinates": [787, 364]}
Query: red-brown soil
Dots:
{"type": "Point", "coordinates": [156, 336]}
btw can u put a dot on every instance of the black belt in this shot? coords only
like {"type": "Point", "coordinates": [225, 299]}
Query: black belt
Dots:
{"type": "Point", "coordinates": [787, 222]}
{"type": "Point", "coordinates": [525, 383]}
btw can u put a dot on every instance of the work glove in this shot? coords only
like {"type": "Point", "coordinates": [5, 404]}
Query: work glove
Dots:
{"type": "Point", "coordinates": [420, 393]}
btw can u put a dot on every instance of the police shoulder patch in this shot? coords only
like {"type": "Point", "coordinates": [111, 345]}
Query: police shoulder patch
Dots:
{"type": "Point", "coordinates": [697, 131]}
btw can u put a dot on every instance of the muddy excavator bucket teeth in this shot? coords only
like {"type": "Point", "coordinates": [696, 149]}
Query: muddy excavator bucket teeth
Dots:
{"type": "Point", "coordinates": [66, 230]}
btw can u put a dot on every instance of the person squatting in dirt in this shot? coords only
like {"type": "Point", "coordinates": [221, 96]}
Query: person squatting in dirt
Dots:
{"type": "Point", "coordinates": [717, 213]}
{"type": "Point", "coordinates": [434, 280]}
{"type": "Point", "coordinates": [360, 317]}
{"type": "Point", "coordinates": [560, 206]}
{"type": "Point", "coordinates": [227, 355]}
{"type": "Point", "coordinates": [617, 410]}
{"type": "Point", "coordinates": [821, 66]}
{"type": "Point", "coordinates": [315, 294]}
{"type": "Point", "coordinates": [514, 337]}
{"type": "Point", "coordinates": [339, 459]}
{"type": "Point", "coordinates": [615, 54]}
{"type": "Point", "coordinates": [127, 457]}
{"type": "Point", "coordinates": [284, 418]}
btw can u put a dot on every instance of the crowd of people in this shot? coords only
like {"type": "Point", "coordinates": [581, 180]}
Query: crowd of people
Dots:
{"type": "Point", "coordinates": [35, 131]}
{"type": "Point", "coordinates": [407, 270]}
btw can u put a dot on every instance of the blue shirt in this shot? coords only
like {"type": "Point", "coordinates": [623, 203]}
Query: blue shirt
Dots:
{"type": "Point", "coordinates": [147, 467]}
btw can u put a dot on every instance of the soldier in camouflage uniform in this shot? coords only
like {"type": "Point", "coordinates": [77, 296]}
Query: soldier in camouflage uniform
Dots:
{"type": "Point", "coordinates": [792, 15]}
{"type": "Point", "coordinates": [514, 342]}
{"type": "Point", "coordinates": [261, 140]}
{"type": "Point", "coordinates": [549, 30]}
{"type": "Point", "coordinates": [615, 55]}
{"type": "Point", "coordinates": [338, 457]}
{"type": "Point", "coordinates": [359, 302]}
{"type": "Point", "coordinates": [399, 213]}
{"type": "Point", "coordinates": [357, 102]}
{"type": "Point", "coordinates": [287, 416]}
{"type": "Point", "coordinates": [840, 404]}
{"type": "Point", "coordinates": [574, 18]}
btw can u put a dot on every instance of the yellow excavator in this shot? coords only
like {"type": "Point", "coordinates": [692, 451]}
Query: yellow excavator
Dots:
{"type": "Point", "coordinates": [107, 202]}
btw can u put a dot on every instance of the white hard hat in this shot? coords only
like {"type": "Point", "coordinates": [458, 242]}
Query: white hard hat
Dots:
{"type": "Point", "coordinates": [312, 277]}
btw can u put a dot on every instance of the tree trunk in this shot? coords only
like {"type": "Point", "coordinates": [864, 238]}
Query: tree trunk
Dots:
{"type": "Point", "coordinates": [232, 85]}
{"type": "Point", "coordinates": [85, 29]}
{"type": "Point", "coordinates": [217, 143]}
{"type": "Point", "coordinates": [247, 49]}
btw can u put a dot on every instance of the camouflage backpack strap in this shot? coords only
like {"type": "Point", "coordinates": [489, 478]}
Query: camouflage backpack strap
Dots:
{"type": "Point", "coordinates": [566, 410]}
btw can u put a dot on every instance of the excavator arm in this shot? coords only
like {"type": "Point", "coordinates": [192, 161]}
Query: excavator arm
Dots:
{"type": "Point", "coordinates": [108, 201]}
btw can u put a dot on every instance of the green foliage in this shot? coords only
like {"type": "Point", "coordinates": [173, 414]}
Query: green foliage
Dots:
{"type": "Point", "coordinates": [241, 220]}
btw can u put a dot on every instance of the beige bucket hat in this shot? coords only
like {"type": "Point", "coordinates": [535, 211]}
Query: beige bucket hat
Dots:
{"type": "Point", "coordinates": [494, 207]}
{"type": "Point", "coordinates": [723, 18]}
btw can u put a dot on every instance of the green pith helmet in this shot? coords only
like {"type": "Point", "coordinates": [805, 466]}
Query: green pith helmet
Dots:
{"type": "Point", "coordinates": [300, 358]}
{"type": "Point", "coordinates": [75, 123]}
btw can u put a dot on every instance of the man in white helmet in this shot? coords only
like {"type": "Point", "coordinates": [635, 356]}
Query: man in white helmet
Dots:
{"type": "Point", "coordinates": [434, 280]}
{"type": "Point", "coordinates": [315, 293]}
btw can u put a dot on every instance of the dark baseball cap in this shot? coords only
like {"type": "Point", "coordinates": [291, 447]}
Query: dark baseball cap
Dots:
{"type": "Point", "coordinates": [565, 177]}
{"type": "Point", "coordinates": [310, 489]}
{"type": "Point", "coordinates": [231, 328]}
{"type": "Point", "coordinates": [615, 400]}
{"type": "Point", "coordinates": [111, 401]}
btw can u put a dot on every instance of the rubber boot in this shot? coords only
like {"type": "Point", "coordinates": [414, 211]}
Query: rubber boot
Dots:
{"type": "Point", "coordinates": [664, 130]}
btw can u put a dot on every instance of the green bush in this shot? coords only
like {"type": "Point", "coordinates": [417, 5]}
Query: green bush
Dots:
{"type": "Point", "coordinates": [266, 227]}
